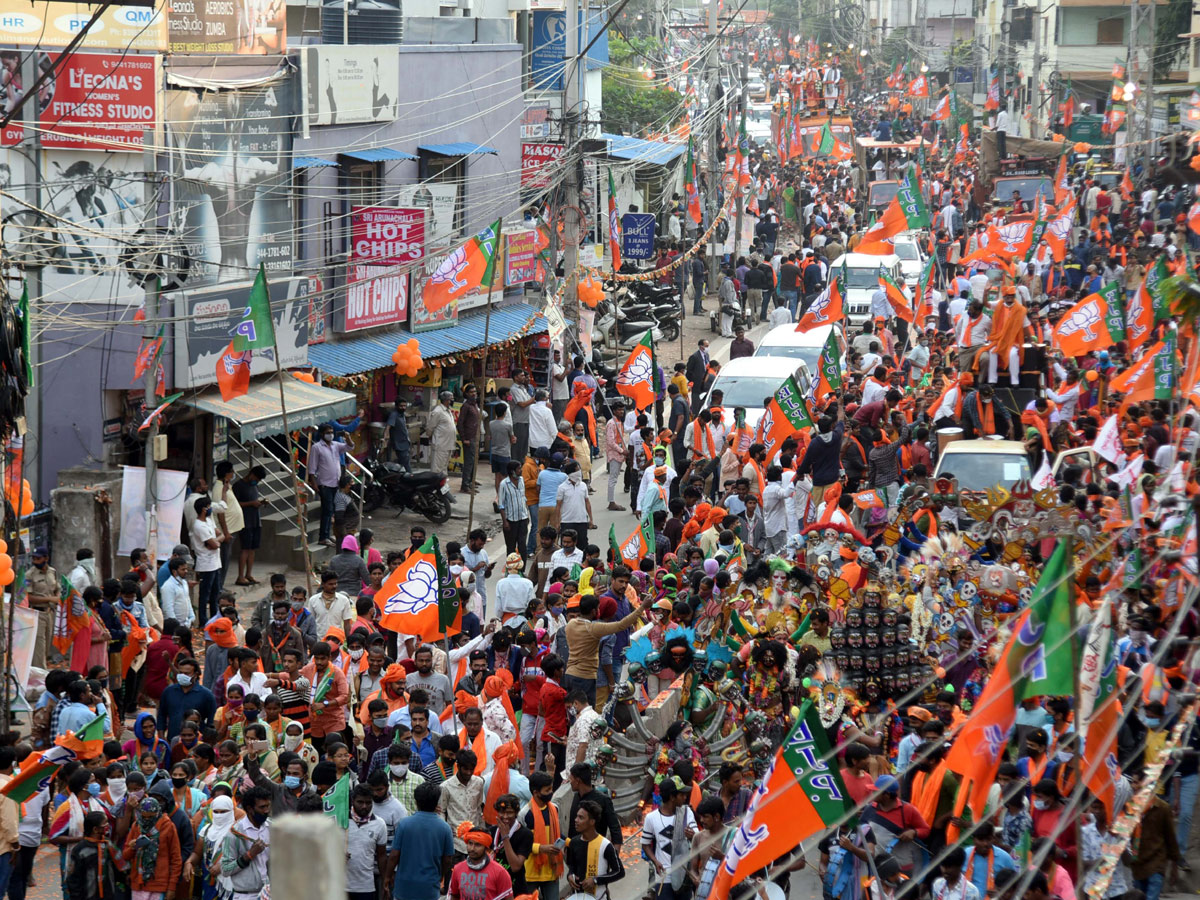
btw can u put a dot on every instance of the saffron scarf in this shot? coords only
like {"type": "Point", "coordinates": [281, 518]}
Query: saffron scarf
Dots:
{"type": "Point", "coordinates": [926, 788]}
{"type": "Point", "coordinates": [986, 416]}
{"type": "Point", "coordinates": [478, 746]}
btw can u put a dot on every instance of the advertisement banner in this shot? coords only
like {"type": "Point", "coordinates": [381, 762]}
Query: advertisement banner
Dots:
{"type": "Point", "coordinates": [375, 295]}
{"type": "Point", "coordinates": [101, 101]}
{"type": "Point", "coordinates": [420, 318]}
{"type": "Point", "coordinates": [170, 491]}
{"type": "Point", "coordinates": [227, 26]}
{"type": "Point", "coordinates": [520, 257]}
{"type": "Point", "coordinates": [550, 45]}
{"type": "Point", "coordinates": [349, 85]}
{"type": "Point", "coordinates": [50, 23]}
{"type": "Point", "coordinates": [537, 163]}
{"type": "Point", "coordinates": [232, 168]}
{"type": "Point", "coordinates": [440, 202]}
{"type": "Point", "coordinates": [93, 203]}
{"type": "Point", "coordinates": [206, 320]}
{"type": "Point", "coordinates": [637, 230]}
{"type": "Point", "coordinates": [386, 236]}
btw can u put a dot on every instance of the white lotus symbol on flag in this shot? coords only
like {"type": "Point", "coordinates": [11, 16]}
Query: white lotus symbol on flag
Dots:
{"type": "Point", "coordinates": [630, 550]}
{"type": "Point", "coordinates": [819, 306]}
{"type": "Point", "coordinates": [1134, 316]}
{"type": "Point", "coordinates": [418, 591]}
{"type": "Point", "coordinates": [1012, 234]}
{"type": "Point", "coordinates": [450, 268]}
{"type": "Point", "coordinates": [1060, 228]}
{"type": "Point", "coordinates": [637, 371]}
{"type": "Point", "coordinates": [768, 423]}
{"type": "Point", "coordinates": [1085, 319]}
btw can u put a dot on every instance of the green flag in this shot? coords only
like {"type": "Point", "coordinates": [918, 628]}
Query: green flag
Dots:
{"type": "Point", "coordinates": [1039, 225]}
{"type": "Point", "coordinates": [1164, 369]}
{"type": "Point", "coordinates": [23, 310]}
{"type": "Point", "coordinates": [614, 544]}
{"type": "Point", "coordinates": [449, 601]}
{"type": "Point", "coordinates": [1114, 313]}
{"type": "Point", "coordinates": [912, 204]}
{"type": "Point", "coordinates": [1155, 288]}
{"type": "Point", "coordinates": [1051, 661]}
{"type": "Point", "coordinates": [648, 532]}
{"type": "Point", "coordinates": [336, 802]}
{"type": "Point", "coordinates": [256, 330]}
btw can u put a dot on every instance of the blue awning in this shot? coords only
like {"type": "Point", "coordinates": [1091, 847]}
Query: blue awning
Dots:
{"type": "Point", "coordinates": [354, 355]}
{"type": "Point", "coordinates": [377, 154]}
{"type": "Point", "coordinates": [637, 150]}
{"type": "Point", "coordinates": [311, 162]}
{"type": "Point", "coordinates": [461, 148]}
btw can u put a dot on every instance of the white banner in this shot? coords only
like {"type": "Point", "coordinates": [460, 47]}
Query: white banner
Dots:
{"type": "Point", "coordinates": [170, 490]}
{"type": "Point", "coordinates": [348, 85]}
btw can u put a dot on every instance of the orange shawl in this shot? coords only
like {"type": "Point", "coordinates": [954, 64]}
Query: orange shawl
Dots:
{"type": "Point", "coordinates": [1008, 331]}
{"type": "Point", "coordinates": [926, 788]}
{"type": "Point", "coordinates": [478, 747]}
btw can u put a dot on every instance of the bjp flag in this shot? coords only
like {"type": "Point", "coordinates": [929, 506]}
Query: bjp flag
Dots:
{"type": "Point", "coordinates": [786, 414]}
{"type": "Point", "coordinates": [829, 369]}
{"type": "Point", "coordinates": [638, 545]}
{"type": "Point", "coordinates": [233, 372]}
{"type": "Point", "coordinates": [1148, 305]}
{"type": "Point", "coordinates": [1058, 231]}
{"type": "Point", "coordinates": [827, 308]}
{"type": "Point", "coordinates": [1099, 709]}
{"type": "Point", "coordinates": [463, 270]}
{"type": "Point", "coordinates": [942, 111]}
{"type": "Point", "coordinates": [1095, 322]}
{"type": "Point", "coordinates": [896, 296]}
{"type": "Point", "coordinates": [636, 378]}
{"type": "Point", "coordinates": [419, 597]}
{"type": "Point", "coordinates": [1152, 377]}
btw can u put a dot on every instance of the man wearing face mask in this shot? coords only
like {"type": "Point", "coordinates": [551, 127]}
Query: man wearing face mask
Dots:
{"type": "Point", "coordinates": [41, 588]}
{"type": "Point", "coordinates": [182, 697]}
{"type": "Point", "coordinates": [294, 688]}
{"type": "Point", "coordinates": [648, 491]}
{"type": "Point", "coordinates": [573, 507]}
{"type": "Point", "coordinates": [280, 636]}
{"type": "Point", "coordinates": [287, 795]}
{"type": "Point", "coordinates": [245, 853]}
{"type": "Point", "coordinates": [302, 618]}
{"type": "Point", "coordinates": [324, 470]}
{"type": "Point", "coordinates": [1010, 325]}
{"type": "Point", "coordinates": [983, 416]}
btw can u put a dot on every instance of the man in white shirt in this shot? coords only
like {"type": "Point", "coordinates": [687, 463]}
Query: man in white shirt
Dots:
{"type": "Point", "coordinates": [880, 308]}
{"type": "Point", "coordinates": [206, 544]}
{"type": "Point", "coordinates": [971, 333]}
{"type": "Point", "coordinates": [174, 598]}
{"type": "Point", "coordinates": [1149, 201]}
{"type": "Point", "coordinates": [330, 607]}
{"type": "Point", "coordinates": [979, 283]}
{"type": "Point", "coordinates": [543, 423]}
{"type": "Point", "coordinates": [774, 507]}
{"type": "Point", "coordinates": [949, 211]}
{"type": "Point", "coordinates": [568, 554]}
{"type": "Point", "coordinates": [560, 391]}
{"type": "Point", "coordinates": [573, 507]}
{"type": "Point", "coordinates": [514, 591]}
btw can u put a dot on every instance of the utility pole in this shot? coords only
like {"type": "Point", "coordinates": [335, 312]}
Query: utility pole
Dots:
{"type": "Point", "coordinates": [740, 196]}
{"type": "Point", "coordinates": [150, 379]}
{"type": "Point", "coordinates": [572, 224]}
{"type": "Point", "coordinates": [34, 417]}
{"type": "Point", "coordinates": [714, 164]}
{"type": "Point", "coordinates": [1035, 95]}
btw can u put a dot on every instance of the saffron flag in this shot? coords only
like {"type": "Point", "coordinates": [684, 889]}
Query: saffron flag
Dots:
{"type": "Point", "coordinates": [993, 93]}
{"type": "Point", "coordinates": [1099, 711]}
{"type": "Point", "coordinates": [1039, 659]}
{"type": "Point", "coordinates": [88, 743]}
{"type": "Point", "coordinates": [463, 270]}
{"type": "Point", "coordinates": [614, 225]}
{"type": "Point", "coordinates": [689, 186]}
{"type": "Point", "coordinates": [906, 211]}
{"type": "Point", "coordinates": [1067, 108]}
{"type": "Point", "coordinates": [1094, 323]}
{"type": "Point", "coordinates": [896, 78]}
{"type": "Point", "coordinates": [233, 372]}
{"type": "Point", "coordinates": [1193, 218]}
{"type": "Point", "coordinates": [829, 145]}
{"type": "Point", "coordinates": [1062, 187]}
{"type": "Point", "coordinates": [826, 309]}
{"type": "Point", "coordinates": [1152, 377]}
{"type": "Point", "coordinates": [420, 597]}
{"type": "Point", "coordinates": [896, 296]}
{"type": "Point", "coordinates": [919, 86]}
{"type": "Point", "coordinates": [924, 299]}
{"type": "Point", "coordinates": [256, 330]}
{"type": "Point", "coordinates": [147, 354]}
{"type": "Point", "coordinates": [1058, 231]}
{"type": "Point", "coordinates": [786, 414]}
{"type": "Point", "coordinates": [37, 771]}
{"type": "Point", "coordinates": [941, 112]}
{"type": "Point", "coordinates": [636, 378]}
{"type": "Point", "coordinates": [1040, 216]}
{"type": "Point", "coordinates": [829, 368]}
{"type": "Point", "coordinates": [159, 410]}
{"type": "Point", "coordinates": [1153, 289]}
{"type": "Point", "coordinates": [801, 794]}
{"type": "Point", "coordinates": [1126, 186]}
{"type": "Point", "coordinates": [960, 146]}
{"type": "Point", "coordinates": [638, 545]}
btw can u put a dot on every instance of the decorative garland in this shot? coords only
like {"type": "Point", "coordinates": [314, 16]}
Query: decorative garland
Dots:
{"type": "Point", "coordinates": [683, 257]}
{"type": "Point", "coordinates": [1124, 827]}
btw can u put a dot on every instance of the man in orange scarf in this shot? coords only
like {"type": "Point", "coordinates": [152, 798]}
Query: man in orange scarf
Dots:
{"type": "Point", "coordinates": [934, 788]}
{"type": "Point", "coordinates": [473, 736]}
{"type": "Point", "coordinates": [1010, 324]}
{"type": "Point", "coordinates": [391, 690]}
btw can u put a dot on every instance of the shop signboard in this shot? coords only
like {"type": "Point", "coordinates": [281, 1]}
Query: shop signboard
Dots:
{"type": "Point", "coordinates": [207, 318]}
{"type": "Point", "coordinates": [440, 203]}
{"type": "Point", "coordinates": [386, 236]}
{"type": "Point", "coordinates": [637, 230]}
{"type": "Point", "coordinates": [537, 162]}
{"type": "Point", "coordinates": [375, 295]}
{"type": "Point", "coordinates": [351, 85]}
{"type": "Point", "coordinates": [99, 101]}
{"type": "Point", "coordinates": [51, 23]}
{"type": "Point", "coordinates": [227, 26]}
{"type": "Point", "coordinates": [232, 168]}
{"type": "Point", "coordinates": [420, 318]}
{"type": "Point", "coordinates": [520, 257]}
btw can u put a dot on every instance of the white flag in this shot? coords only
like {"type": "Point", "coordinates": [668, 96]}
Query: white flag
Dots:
{"type": "Point", "coordinates": [1108, 442]}
{"type": "Point", "coordinates": [1130, 472]}
{"type": "Point", "coordinates": [1043, 478]}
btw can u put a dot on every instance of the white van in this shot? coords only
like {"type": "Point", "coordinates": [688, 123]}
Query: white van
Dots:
{"type": "Point", "coordinates": [862, 280]}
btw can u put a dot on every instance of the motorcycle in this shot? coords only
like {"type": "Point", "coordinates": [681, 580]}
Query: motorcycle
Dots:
{"type": "Point", "coordinates": [612, 325]}
{"type": "Point", "coordinates": [424, 492]}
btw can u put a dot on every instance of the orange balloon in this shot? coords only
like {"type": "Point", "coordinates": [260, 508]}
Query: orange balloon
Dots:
{"type": "Point", "coordinates": [26, 500]}
{"type": "Point", "coordinates": [5, 562]}
{"type": "Point", "coordinates": [305, 376]}
{"type": "Point", "coordinates": [3, 546]}
{"type": "Point", "coordinates": [1082, 147]}
{"type": "Point", "coordinates": [7, 577]}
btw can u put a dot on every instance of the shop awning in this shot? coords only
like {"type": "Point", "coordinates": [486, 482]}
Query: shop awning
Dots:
{"type": "Point", "coordinates": [312, 162]}
{"type": "Point", "coordinates": [460, 148]}
{"type": "Point", "coordinates": [636, 150]}
{"type": "Point", "coordinates": [257, 414]}
{"type": "Point", "coordinates": [378, 154]}
{"type": "Point", "coordinates": [369, 352]}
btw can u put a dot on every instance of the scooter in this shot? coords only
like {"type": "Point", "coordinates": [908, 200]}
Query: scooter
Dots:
{"type": "Point", "coordinates": [627, 331]}
{"type": "Point", "coordinates": [424, 492]}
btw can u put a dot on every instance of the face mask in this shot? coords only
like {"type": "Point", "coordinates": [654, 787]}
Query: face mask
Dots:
{"type": "Point", "coordinates": [252, 715]}
{"type": "Point", "coordinates": [380, 723]}
{"type": "Point", "coordinates": [94, 789]}
{"type": "Point", "coordinates": [456, 570]}
{"type": "Point", "coordinates": [1064, 756]}
{"type": "Point", "coordinates": [660, 460]}
{"type": "Point", "coordinates": [41, 565]}
{"type": "Point", "coordinates": [327, 438]}
{"type": "Point", "coordinates": [280, 622]}
{"type": "Point", "coordinates": [1039, 803]}
{"type": "Point", "coordinates": [291, 782]}
{"type": "Point", "coordinates": [116, 788]}
{"type": "Point", "coordinates": [179, 782]}
{"type": "Point", "coordinates": [725, 548]}
{"type": "Point", "coordinates": [575, 477]}
{"type": "Point", "coordinates": [292, 741]}
{"type": "Point", "coordinates": [357, 653]}
{"type": "Point", "coordinates": [256, 817]}
{"type": "Point", "coordinates": [297, 605]}
{"type": "Point", "coordinates": [399, 770]}
{"type": "Point", "coordinates": [137, 795]}
{"type": "Point", "coordinates": [1153, 723]}
{"type": "Point", "coordinates": [183, 680]}
{"type": "Point", "coordinates": [556, 611]}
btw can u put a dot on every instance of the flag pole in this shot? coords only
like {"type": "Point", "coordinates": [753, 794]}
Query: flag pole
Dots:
{"type": "Point", "coordinates": [487, 328]}
{"type": "Point", "coordinates": [293, 457]}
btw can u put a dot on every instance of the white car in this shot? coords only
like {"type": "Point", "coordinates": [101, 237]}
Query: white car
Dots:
{"type": "Point", "coordinates": [749, 380]}
{"type": "Point", "coordinates": [862, 281]}
{"type": "Point", "coordinates": [910, 248]}
{"type": "Point", "coordinates": [805, 346]}
{"type": "Point", "coordinates": [758, 123]}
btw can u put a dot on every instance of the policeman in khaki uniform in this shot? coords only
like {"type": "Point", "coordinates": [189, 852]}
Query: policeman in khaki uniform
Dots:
{"type": "Point", "coordinates": [42, 591]}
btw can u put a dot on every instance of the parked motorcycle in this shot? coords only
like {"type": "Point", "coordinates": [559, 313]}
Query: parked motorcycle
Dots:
{"type": "Point", "coordinates": [613, 325]}
{"type": "Point", "coordinates": [424, 492]}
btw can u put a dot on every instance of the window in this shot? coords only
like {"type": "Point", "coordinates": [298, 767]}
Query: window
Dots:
{"type": "Point", "coordinates": [360, 183]}
{"type": "Point", "coordinates": [1110, 31]}
{"type": "Point", "coordinates": [437, 169]}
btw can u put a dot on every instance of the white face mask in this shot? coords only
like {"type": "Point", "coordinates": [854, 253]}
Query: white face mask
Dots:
{"type": "Point", "coordinates": [327, 438]}
{"type": "Point", "coordinates": [1039, 803]}
{"type": "Point", "coordinates": [1064, 756]}
{"type": "Point", "coordinates": [117, 788]}
{"type": "Point", "coordinates": [399, 770]}
{"type": "Point", "coordinates": [292, 741]}
{"type": "Point", "coordinates": [357, 653]}
{"type": "Point", "coordinates": [576, 477]}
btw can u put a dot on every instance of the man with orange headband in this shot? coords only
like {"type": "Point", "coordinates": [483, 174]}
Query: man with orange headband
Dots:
{"type": "Point", "coordinates": [478, 877]}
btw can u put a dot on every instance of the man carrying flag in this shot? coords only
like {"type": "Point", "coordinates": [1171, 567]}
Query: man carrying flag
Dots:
{"type": "Point", "coordinates": [906, 212]}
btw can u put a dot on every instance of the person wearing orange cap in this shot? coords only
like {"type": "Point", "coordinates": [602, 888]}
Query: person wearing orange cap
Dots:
{"type": "Point", "coordinates": [478, 877]}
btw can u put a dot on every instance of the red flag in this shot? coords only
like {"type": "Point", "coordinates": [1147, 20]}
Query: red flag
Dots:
{"type": "Point", "coordinates": [233, 372]}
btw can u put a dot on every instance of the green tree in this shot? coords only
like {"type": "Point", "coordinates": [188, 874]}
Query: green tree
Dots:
{"type": "Point", "coordinates": [632, 101]}
{"type": "Point", "coordinates": [1170, 21]}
